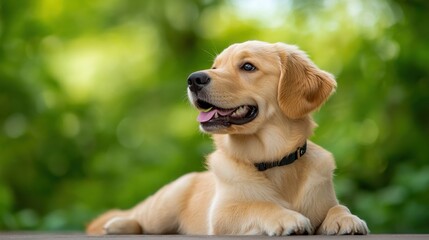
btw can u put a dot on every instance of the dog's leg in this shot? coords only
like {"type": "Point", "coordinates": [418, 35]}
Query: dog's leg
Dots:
{"type": "Point", "coordinates": [161, 212]}
{"type": "Point", "coordinates": [339, 221]}
{"type": "Point", "coordinates": [263, 218]}
{"type": "Point", "coordinates": [121, 225]}
{"type": "Point", "coordinates": [100, 225]}
{"type": "Point", "coordinates": [158, 214]}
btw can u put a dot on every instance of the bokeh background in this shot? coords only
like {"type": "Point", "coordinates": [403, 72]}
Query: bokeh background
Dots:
{"type": "Point", "coordinates": [94, 114]}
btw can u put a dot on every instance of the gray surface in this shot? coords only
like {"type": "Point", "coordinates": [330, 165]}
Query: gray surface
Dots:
{"type": "Point", "coordinates": [48, 236]}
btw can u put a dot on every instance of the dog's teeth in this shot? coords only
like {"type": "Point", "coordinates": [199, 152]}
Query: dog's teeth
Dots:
{"type": "Point", "coordinates": [216, 115]}
{"type": "Point", "coordinates": [241, 111]}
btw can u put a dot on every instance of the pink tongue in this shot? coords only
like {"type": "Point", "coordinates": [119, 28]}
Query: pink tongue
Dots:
{"type": "Point", "coordinates": [206, 116]}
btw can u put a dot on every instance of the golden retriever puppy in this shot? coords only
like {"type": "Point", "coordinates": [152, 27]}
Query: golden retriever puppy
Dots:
{"type": "Point", "coordinates": [265, 177]}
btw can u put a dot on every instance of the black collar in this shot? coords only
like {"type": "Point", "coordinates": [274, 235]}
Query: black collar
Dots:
{"type": "Point", "coordinates": [288, 159]}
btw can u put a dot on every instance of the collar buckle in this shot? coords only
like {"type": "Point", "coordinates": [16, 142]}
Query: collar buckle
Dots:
{"type": "Point", "coordinates": [301, 150]}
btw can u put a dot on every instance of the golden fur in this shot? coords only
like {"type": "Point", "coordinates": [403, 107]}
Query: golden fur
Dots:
{"type": "Point", "coordinates": [232, 197]}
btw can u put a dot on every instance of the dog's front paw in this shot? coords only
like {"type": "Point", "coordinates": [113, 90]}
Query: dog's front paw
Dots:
{"type": "Point", "coordinates": [290, 223]}
{"type": "Point", "coordinates": [341, 222]}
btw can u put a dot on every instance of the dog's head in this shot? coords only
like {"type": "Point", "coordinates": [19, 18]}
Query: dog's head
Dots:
{"type": "Point", "coordinates": [253, 82]}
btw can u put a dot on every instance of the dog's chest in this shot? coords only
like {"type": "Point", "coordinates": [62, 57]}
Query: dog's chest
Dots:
{"type": "Point", "coordinates": [288, 184]}
{"type": "Point", "coordinates": [303, 191]}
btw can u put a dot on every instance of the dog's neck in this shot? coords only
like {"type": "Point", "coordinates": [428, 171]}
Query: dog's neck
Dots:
{"type": "Point", "coordinates": [271, 143]}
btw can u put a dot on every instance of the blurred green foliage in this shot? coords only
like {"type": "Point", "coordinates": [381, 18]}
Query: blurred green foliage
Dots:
{"type": "Point", "coordinates": [94, 115]}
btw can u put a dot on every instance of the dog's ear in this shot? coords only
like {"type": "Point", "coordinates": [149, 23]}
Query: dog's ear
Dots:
{"type": "Point", "coordinates": [303, 87]}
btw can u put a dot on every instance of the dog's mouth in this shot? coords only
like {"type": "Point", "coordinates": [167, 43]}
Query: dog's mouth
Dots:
{"type": "Point", "coordinates": [213, 116]}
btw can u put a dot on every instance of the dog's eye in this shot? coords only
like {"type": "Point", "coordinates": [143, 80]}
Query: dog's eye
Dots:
{"type": "Point", "coordinates": [248, 67]}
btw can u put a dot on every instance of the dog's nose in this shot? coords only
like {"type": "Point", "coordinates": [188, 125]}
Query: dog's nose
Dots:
{"type": "Point", "coordinates": [197, 80]}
